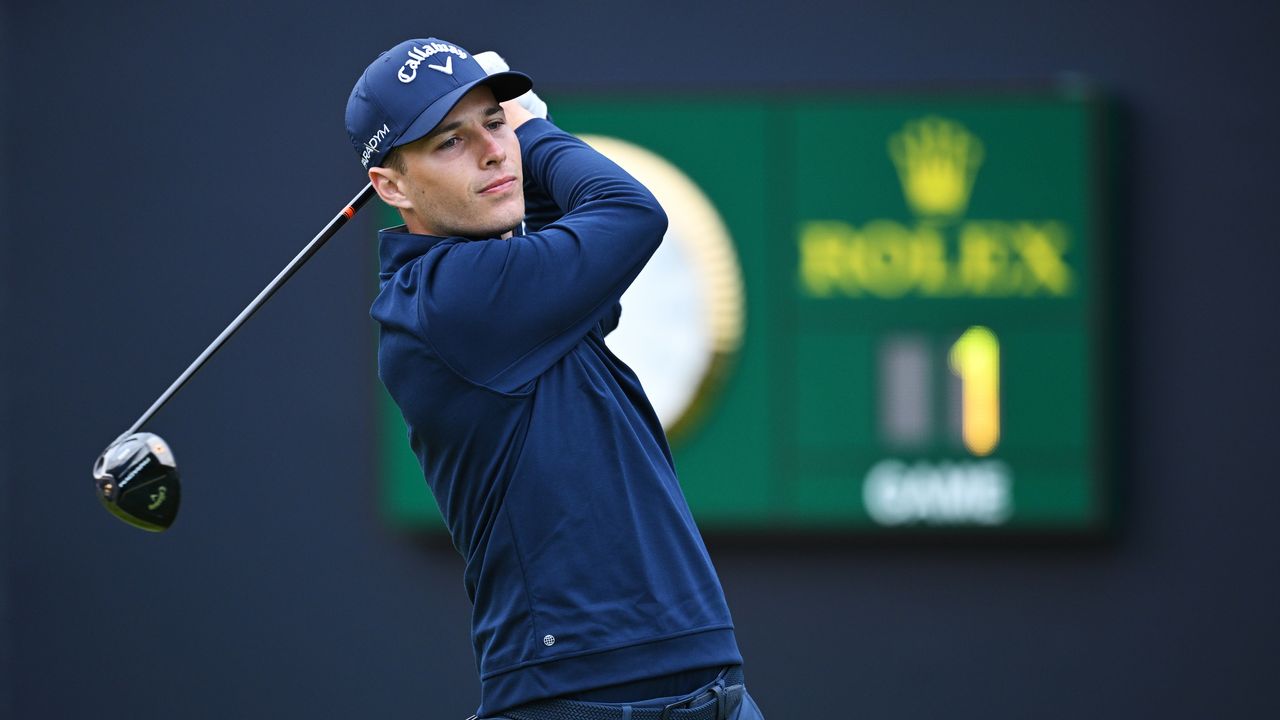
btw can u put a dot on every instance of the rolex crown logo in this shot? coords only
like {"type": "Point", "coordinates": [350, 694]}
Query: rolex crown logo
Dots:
{"type": "Point", "coordinates": [937, 160]}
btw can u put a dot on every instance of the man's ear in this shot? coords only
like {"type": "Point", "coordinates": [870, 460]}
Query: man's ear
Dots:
{"type": "Point", "coordinates": [387, 184]}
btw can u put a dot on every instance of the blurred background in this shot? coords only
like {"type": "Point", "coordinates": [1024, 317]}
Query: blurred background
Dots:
{"type": "Point", "coordinates": [161, 161]}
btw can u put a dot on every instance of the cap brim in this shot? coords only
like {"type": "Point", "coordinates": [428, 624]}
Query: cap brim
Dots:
{"type": "Point", "coordinates": [505, 86]}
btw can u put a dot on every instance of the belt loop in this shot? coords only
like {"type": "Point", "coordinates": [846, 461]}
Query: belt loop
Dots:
{"type": "Point", "coordinates": [626, 712]}
{"type": "Point", "coordinates": [716, 689]}
{"type": "Point", "coordinates": [722, 707]}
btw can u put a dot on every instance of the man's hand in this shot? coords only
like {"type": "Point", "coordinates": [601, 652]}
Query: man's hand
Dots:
{"type": "Point", "coordinates": [515, 113]}
{"type": "Point", "coordinates": [492, 63]}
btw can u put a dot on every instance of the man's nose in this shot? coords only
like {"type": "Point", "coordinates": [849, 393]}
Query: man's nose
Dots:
{"type": "Point", "coordinates": [492, 151]}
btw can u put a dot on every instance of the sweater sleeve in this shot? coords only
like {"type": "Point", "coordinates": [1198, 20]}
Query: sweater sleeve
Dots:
{"type": "Point", "coordinates": [501, 312]}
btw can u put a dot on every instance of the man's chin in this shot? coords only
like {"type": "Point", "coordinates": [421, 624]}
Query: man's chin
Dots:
{"type": "Point", "coordinates": [497, 223]}
{"type": "Point", "coordinates": [508, 225]}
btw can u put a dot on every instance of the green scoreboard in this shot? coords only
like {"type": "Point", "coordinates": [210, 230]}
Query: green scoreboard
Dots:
{"type": "Point", "coordinates": [880, 313]}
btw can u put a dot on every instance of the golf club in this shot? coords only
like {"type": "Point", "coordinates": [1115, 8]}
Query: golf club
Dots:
{"type": "Point", "coordinates": [136, 476]}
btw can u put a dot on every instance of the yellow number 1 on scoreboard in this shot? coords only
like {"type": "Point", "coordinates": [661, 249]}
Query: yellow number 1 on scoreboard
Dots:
{"type": "Point", "coordinates": [975, 358]}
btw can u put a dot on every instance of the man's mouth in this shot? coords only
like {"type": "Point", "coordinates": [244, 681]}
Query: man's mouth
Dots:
{"type": "Point", "coordinates": [500, 185]}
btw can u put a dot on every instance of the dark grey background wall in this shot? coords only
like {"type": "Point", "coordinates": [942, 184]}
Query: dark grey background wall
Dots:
{"type": "Point", "coordinates": [162, 160]}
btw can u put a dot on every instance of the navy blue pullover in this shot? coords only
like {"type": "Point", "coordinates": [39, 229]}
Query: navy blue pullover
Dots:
{"type": "Point", "coordinates": [583, 563]}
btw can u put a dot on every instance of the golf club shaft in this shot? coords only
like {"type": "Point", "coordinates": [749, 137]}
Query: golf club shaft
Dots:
{"type": "Point", "coordinates": [312, 247]}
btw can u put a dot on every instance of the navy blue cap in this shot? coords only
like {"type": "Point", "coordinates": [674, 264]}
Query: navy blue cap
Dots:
{"type": "Point", "coordinates": [409, 89]}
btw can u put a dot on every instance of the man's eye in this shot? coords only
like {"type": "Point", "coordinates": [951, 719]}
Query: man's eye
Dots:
{"type": "Point", "coordinates": [448, 143]}
{"type": "Point", "coordinates": [495, 124]}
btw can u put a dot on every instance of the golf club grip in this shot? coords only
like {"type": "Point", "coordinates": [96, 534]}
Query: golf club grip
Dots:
{"type": "Point", "coordinates": [312, 247]}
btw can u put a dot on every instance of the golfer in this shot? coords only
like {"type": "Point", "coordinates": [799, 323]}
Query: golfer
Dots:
{"type": "Point", "coordinates": [594, 596]}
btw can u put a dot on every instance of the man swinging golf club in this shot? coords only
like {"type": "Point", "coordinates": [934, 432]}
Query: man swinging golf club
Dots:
{"type": "Point", "coordinates": [594, 596]}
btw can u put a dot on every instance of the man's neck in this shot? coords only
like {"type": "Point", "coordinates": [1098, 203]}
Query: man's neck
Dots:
{"type": "Point", "coordinates": [415, 225]}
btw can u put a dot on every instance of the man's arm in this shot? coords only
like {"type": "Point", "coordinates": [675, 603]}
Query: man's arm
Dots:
{"type": "Point", "coordinates": [501, 312]}
{"type": "Point", "coordinates": [539, 209]}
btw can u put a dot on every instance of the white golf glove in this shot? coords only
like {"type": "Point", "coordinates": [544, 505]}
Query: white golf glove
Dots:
{"type": "Point", "coordinates": [492, 63]}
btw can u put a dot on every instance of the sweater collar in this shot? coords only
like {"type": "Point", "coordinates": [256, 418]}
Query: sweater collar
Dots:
{"type": "Point", "coordinates": [398, 247]}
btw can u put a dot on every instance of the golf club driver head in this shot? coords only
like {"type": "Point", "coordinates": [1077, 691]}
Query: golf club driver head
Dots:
{"type": "Point", "coordinates": [137, 480]}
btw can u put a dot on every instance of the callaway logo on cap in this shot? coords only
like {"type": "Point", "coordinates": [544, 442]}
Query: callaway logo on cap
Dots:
{"type": "Point", "coordinates": [409, 89]}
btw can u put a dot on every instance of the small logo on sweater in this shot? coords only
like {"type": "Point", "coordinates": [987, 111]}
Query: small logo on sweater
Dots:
{"type": "Point", "coordinates": [548, 640]}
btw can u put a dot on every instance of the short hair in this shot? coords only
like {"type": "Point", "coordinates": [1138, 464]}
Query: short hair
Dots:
{"type": "Point", "coordinates": [394, 160]}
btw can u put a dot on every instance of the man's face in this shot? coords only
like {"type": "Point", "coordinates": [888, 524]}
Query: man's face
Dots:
{"type": "Point", "coordinates": [464, 178]}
